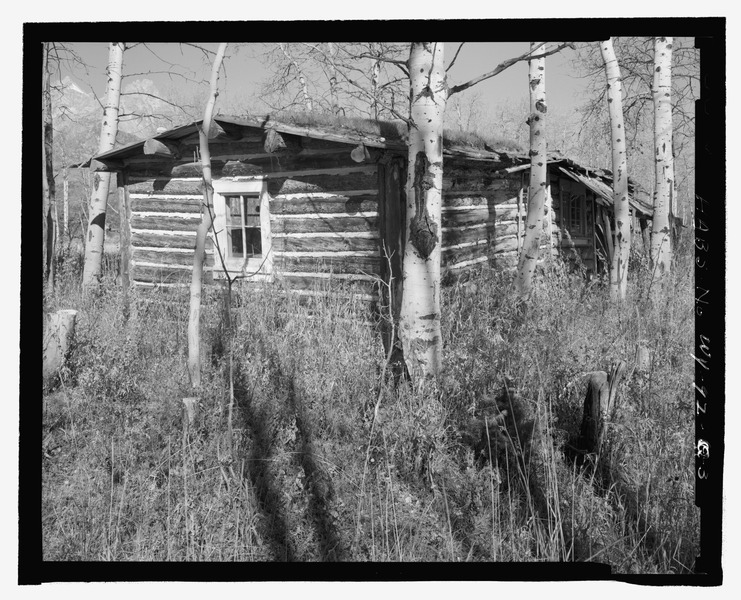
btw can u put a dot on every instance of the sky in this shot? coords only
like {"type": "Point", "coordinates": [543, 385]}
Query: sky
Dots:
{"type": "Point", "coordinates": [245, 70]}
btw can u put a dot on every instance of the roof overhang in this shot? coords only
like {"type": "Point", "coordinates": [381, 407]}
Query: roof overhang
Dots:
{"type": "Point", "coordinates": [344, 135]}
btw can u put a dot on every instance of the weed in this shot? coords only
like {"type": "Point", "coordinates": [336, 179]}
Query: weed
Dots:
{"type": "Point", "coordinates": [326, 461]}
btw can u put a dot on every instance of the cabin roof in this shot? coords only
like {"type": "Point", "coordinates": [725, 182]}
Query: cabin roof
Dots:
{"type": "Point", "coordinates": [391, 135]}
{"type": "Point", "coordinates": [387, 135]}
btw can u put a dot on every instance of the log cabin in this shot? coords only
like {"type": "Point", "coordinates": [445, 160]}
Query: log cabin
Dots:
{"type": "Point", "coordinates": [305, 203]}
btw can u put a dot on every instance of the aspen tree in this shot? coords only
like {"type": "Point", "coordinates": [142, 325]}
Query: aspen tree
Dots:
{"type": "Point", "coordinates": [101, 180]}
{"type": "Point", "coordinates": [537, 209]}
{"type": "Point", "coordinates": [49, 230]}
{"type": "Point", "coordinates": [661, 247]}
{"type": "Point", "coordinates": [196, 284]}
{"type": "Point", "coordinates": [420, 308]}
{"type": "Point", "coordinates": [621, 244]}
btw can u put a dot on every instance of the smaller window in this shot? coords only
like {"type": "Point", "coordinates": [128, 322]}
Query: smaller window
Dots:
{"type": "Point", "coordinates": [573, 211]}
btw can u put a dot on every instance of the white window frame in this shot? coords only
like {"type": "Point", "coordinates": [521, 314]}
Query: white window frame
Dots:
{"type": "Point", "coordinates": [252, 268]}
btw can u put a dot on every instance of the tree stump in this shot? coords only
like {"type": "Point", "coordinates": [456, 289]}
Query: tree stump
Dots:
{"type": "Point", "coordinates": [58, 331]}
{"type": "Point", "coordinates": [599, 402]}
{"type": "Point", "coordinates": [190, 408]}
{"type": "Point", "coordinates": [643, 357]}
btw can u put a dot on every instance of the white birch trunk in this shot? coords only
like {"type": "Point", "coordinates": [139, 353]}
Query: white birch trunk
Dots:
{"type": "Point", "coordinates": [537, 209]}
{"type": "Point", "coordinates": [661, 248]}
{"type": "Point", "coordinates": [49, 227]}
{"type": "Point", "coordinates": [101, 181]}
{"type": "Point", "coordinates": [196, 283]}
{"type": "Point", "coordinates": [621, 235]}
{"type": "Point", "coordinates": [420, 308]}
{"type": "Point", "coordinates": [65, 196]}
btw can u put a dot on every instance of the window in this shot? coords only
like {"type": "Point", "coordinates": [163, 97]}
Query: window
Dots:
{"type": "Point", "coordinates": [573, 209]}
{"type": "Point", "coordinates": [242, 229]}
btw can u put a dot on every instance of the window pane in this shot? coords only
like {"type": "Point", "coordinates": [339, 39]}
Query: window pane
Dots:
{"type": "Point", "coordinates": [252, 205]}
{"type": "Point", "coordinates": [234, 211]}
{"type": "Point", "coordinates": [243, 226]}
{"type": "Point", "coordinates": [235, 242]}
{"type": "Point", "coordinates": [235, 205]}
{"type": "Point", "coordinates": [254, 241]}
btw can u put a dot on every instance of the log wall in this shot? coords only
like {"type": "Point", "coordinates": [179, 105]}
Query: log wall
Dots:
{"type": "Point", "coordinates": [324, 214]}
{"type": "Point", "coordinates": [483, 216]}
{"type": "Point", "coordinates": [165, 213]}
{"type": "Point", "coordinates": [328, 213]}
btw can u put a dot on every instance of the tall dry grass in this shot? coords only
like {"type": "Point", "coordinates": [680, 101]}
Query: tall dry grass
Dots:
{"type": "Point", "coordinates": [280, 463]}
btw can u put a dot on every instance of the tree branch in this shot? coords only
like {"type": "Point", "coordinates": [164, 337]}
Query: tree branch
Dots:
{"type": "Point", "coordinates": [507, 64]}
{"type": "Point", "coordinates": [457, 52]}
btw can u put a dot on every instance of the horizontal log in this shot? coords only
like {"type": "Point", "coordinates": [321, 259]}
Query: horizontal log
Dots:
{"type": "Point", "coordinates": [504, 228]}
{"type": "Point", "coordinates": [317, 133]}
{"type": "Point", "coordinates": [461, 218]}
{"type": "Point", "coordinates": [466, 265]}
{"type": "Point", "coordinates": [165, 223]}
{"type": "Point", "coordinates": [339, 204]}
{"type": "Point", "coordinates": [509, 212]}
{"type": "Point", "coordinates": [337, 264]}
{"type": "Point", "coordinates": [505, 244]}
{"type": "Point", "coordinates": [168, 258]}
{"type": "Point", "coordinates": [336, 226]}
{"type": "Point", "coordinates": [160, 239]}
{"type": "Point", "coordinates": [251, 153]}
{"type": "Point", "coordinates": [254, 157]}
{"type": "Point", "coordinates": [453, 183]}
{"type": "Point", "coordinates": [218, 169]}
{"type": "Point", "coordinates": [451, 256]}
{"type": "Point", "coordinates": [164, 185]}
{"type": "Point", "coordinates": [326, 284]}
{"type": "Point", "coordinates": [325, 244]}
{"type": "Point", "coordinates": [471, 198]}
{"type": "Point", "coordinates": [167, 275]}
{"type": "Point", "coordinates": [217, 137]}
{"type": "Point", "coordinates": [459, 235]}
{"type": "Point", "coordinates": [318, 144]}
{"type": "Point", "coordinates": [166, 204]}
{"type": "Point", "coordinates": [236, 168]}
{"type": "Point", "coordinates": [323, 183]}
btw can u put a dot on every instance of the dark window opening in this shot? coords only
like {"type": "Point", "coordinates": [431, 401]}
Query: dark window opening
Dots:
{"type": "Point", "coordinates": [573, 212]}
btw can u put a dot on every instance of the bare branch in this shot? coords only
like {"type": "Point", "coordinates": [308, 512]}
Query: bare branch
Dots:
{"type": "Point", "coordinates": [457, 52]}
{"type": "Point", "coordinates": [383, 59]}
{"type": "Point", "coordinates": [529, 55]}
